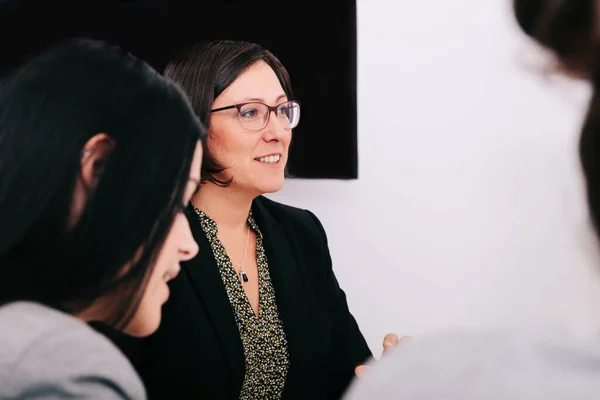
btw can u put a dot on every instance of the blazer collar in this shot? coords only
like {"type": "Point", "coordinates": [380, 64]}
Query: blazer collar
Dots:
{"type": "Point", "coordinates": [296, 303]}
{"type": "Point", "coordinates": [206, 278]}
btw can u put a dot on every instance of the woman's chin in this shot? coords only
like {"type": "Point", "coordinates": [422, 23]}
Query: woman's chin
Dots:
{"type": "Point", "coordinates": [271, 186]}
{"type": "Point", "coordinates": [146, 326]}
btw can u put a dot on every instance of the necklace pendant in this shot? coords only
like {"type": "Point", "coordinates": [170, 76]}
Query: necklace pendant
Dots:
{"type": "Point", "coordinates": [243, 276]}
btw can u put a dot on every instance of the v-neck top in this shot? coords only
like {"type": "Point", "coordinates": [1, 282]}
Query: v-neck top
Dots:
{"type": "Point", "coordinates": [263, 338]}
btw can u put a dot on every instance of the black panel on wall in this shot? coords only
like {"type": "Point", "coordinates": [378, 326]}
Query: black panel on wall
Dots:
{"type": "Point", "coordinates": [316, 43]}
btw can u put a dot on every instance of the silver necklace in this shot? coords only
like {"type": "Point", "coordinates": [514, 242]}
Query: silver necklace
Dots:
{"type": "Point", "coordinates": [243, 276]}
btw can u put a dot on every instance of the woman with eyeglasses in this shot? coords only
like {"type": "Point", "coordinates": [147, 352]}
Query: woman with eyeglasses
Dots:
{"type": "Point", "coordinates": [259, 314]}
{"type": "Point", "coordinates": [99, 156]}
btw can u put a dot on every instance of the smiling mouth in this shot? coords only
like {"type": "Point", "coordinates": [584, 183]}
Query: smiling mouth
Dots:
{"type": "Point", "coordinates": [273, 159]}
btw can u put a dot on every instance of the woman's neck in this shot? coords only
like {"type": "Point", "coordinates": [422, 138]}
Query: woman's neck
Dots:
{"type": "Point", "coordinates": [224, 205]}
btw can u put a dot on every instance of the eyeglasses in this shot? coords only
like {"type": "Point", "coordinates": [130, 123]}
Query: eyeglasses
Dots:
{"type": "Point", "coordinates": [255, 116]}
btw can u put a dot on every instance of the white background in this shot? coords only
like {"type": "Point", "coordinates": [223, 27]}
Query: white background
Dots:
{"type": "Point", "coordinates": [469, 210]}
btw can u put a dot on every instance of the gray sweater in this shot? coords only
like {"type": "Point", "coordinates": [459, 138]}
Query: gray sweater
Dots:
{"type": "Point", "coordinates": [485, 366]}
{"type": "Point", "coordinates": [47, 354]}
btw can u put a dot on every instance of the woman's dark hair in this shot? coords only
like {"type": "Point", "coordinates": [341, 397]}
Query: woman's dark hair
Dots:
{"type": "Point", "coordinates": [49, 109]}
{"type": "Point", "coordinates": [205, 70]}
{"type": "Point", "coordinates": [570, 29]}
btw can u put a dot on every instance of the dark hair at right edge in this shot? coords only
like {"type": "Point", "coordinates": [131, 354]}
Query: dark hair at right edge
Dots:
{"type": "Point", "coordinates": [204, 70]}
{"type": "Point", "coordinates": [49, 109]}
{"type": "Point", "coordinates": [570, 29]}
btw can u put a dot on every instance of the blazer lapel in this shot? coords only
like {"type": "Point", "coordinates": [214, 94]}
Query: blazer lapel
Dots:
{"type": "Point", "coordinates": [295, 302]}
{"type": "Point", "coordinates": [204, 274]}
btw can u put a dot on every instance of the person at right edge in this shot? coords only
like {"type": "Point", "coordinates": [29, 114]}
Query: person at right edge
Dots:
{"type": "Point", "coordinates": [524, 365]}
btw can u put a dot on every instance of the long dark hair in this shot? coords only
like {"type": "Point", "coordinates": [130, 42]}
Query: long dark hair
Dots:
{"type": "Point", "coordinates": [569, 28]}
{"type": "Point", "coordinates": [205, 70]}
{"type": "Point", "coordinates": [49, 109]}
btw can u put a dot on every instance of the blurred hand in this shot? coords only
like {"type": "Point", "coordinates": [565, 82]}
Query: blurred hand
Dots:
{"type": "Point", "coordinates": [390, 342]}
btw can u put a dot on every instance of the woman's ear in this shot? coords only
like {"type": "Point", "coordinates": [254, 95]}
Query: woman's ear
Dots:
{"type": "Point", "coordinates": [94, 156]}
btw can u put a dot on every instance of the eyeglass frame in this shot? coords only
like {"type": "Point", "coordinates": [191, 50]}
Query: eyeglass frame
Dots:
{"type": "Point", "coordinates": [270, 108]}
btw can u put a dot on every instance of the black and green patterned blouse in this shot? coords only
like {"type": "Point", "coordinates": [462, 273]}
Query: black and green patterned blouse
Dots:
{"type": "Point", "coordinates": [263, 338]}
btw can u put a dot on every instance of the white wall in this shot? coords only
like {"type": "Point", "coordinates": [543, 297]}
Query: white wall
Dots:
{"type": "Point", "coordinates": [469, 207]}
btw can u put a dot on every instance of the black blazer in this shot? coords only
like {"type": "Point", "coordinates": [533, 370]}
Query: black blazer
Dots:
{"type": "Point", "coordinates": [197, 351]}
